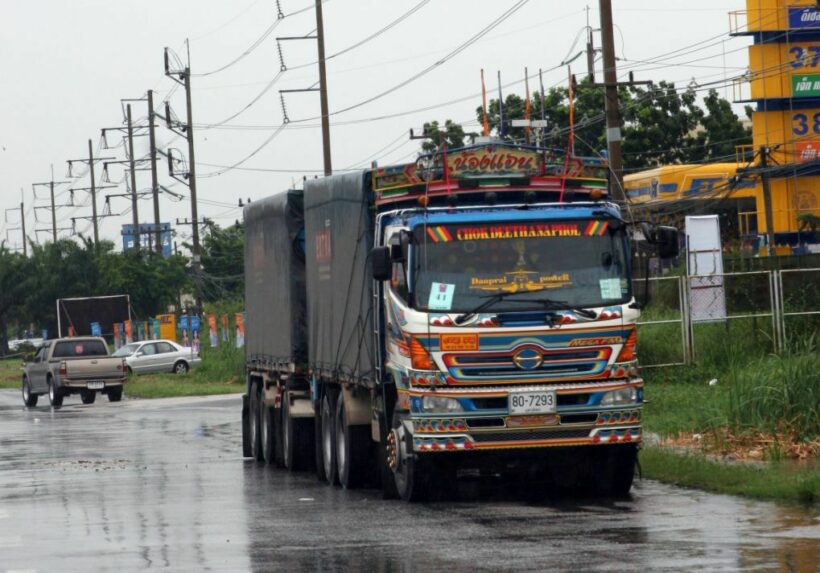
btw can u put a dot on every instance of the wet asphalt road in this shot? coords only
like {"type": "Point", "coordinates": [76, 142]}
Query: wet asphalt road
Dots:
{"type": "Point", "coordinates": [148, 485]}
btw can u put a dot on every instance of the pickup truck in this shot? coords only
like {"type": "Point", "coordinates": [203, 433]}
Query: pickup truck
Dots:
{"type": "Point", "coordinates": [76, 365]}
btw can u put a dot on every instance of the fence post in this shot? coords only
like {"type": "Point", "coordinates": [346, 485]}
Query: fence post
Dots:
{"type": "Point", "coordinates": [686, 321]}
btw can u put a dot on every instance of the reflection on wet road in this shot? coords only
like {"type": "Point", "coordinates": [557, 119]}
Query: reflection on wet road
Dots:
{"type": "Point", "coordinates": [161, 484]}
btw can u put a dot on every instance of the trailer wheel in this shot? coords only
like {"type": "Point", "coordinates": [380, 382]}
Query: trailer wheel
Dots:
{"type": "Point", "coordinates": [351, 449]}
{"type": "Point", "coordinates": [411, 471]}
{"type": "Point", "coordinates": [297, 435]}
{"type": "Point", "coordinates": [328, 437]}
{"type": "Point", "coordinates": [253, 423]}
{"type": "Point", "coordinates": [246, 437]}
{"type": "Point", "coordinates": [267, 432]}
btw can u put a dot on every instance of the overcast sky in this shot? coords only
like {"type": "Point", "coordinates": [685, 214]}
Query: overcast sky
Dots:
{"type": "Point", "coordinates": [66, 65]}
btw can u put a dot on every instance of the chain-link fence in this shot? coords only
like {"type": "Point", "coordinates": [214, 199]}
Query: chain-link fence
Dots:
{"type": "Point", "coordinates": [705, 318]}
{"type": "Point", "coordinates": [662, 329]}
{"type": "Point", "coordinates": [798, 303]}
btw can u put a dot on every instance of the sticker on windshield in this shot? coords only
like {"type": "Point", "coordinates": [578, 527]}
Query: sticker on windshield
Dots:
{"type": "Point", "coordinates": [441, 296]}
{"type": "Point", "coordinates": [610, 288]}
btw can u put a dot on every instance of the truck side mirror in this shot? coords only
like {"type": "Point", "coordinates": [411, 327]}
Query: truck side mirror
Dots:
{"type": "Point", "coordinates": [381, 264]}
{"type": "Point", "coordinates": [666, 239]}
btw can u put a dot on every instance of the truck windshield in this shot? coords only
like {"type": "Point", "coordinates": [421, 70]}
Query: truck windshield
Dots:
{"type": "Point", "coordinates": [581, 263]}
{"type": "Point", "coordinates": [73, 348]}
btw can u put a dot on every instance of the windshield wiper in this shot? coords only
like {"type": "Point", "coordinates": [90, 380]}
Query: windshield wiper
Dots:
{"type": "Point", "coordinates": [498, 297]}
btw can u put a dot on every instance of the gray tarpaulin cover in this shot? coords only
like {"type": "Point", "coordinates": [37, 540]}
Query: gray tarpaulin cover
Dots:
{"type": "Point", "coordinates": [275, 280]}
{"type": "Point", "coordinates": [339, 234]}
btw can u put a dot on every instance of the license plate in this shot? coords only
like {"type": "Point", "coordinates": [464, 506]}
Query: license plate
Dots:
{"type": "Point", "coordinates": [532, 402]}
{"type": "Point", "coordinates": [96, 385]}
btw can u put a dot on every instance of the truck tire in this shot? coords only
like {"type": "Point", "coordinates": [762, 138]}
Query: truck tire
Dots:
{"type": "Point", "coordinates": [88, 396]}
{"type": "Point", "coordinates": [352, 443]}
{"type": "Point", "coordinates": [114, 394]}
{"type": "Point", "coordinates": [253, 423]}
{"type": "Point", "coordinates": [328, 436]}
{"type": "Point", "coordinates": [267, 433]}
{"type": "Point", "coordinates": [55, 394]}
{"type": "Point", "coordinates": [246, 439]}
{"type": "Point", "coordinates": [29, 399]}
{"type": "Point", "coordinates": [615, 470]}
{"type": "Point", "coordinates": [297, 436]}
{"type": "Point", "coordinates": [411, 472]}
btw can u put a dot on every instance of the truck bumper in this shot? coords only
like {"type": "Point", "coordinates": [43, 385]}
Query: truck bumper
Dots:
{"type": "Point", "coordinates": [83, 384]}
{"type": "Point", "coordinates": [486, 424]}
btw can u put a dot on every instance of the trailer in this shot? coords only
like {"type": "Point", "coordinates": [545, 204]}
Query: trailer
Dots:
{"type": "Point", "coordinates": [470, 310]}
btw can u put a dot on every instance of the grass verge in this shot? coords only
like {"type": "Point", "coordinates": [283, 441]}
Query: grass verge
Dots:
{"type": "Point", "coordinates": [171, 385]}
{"type": "Point", "coordinates": [784, 480]}
{"type": "Point", "coordinates": [10, 373]}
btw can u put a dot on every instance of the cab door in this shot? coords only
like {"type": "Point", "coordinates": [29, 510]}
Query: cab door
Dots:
{"type": "Point", "coordinates": [37, 370]}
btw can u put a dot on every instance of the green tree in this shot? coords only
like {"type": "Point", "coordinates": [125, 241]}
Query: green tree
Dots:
{"type": "Point", "coordinates": [223, 262]}
{"type": "Point", "coordinates": [452, 134]}
{"type": "Point", "coordinates": [658, 125]}
{"type": "Point", "coordinates": [13, 287]}
{"type": "Point", "coordinates": [721, 131]}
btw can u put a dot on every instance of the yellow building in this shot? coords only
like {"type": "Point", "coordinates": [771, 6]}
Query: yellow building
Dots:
{"type": "Point", "coordinates": [783, 84]}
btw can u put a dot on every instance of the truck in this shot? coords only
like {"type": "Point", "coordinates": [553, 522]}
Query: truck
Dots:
{"type": "Point", "coordinates": [470, 311]}
{"type": "Point", "coordinates": [74, 365]}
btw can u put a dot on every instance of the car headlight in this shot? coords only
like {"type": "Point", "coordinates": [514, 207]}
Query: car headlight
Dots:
{"type": "Point", "coordinates": [440, 404]}
{"type": "Point", "coordinates": [618, 397]}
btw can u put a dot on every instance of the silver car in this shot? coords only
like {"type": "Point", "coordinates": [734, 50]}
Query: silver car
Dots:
{"type": "Point", "coordinates": [158, 356]}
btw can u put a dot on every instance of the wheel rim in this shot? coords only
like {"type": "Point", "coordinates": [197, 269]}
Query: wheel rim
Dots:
{"type": "Point", "coordinates": [286, 429]}
{"type": "Point", "coordinates": [181, 368]}
{"type": "Point", "coordinates": [26, 392]}
{"type": "Point", "coordinates": [327, 439]}
{"type": "Point", "coordinates": [263, 430]}
{"type": "Point", "coordinates": [51, 392]}
{"type": "Point", "coordinates": [341, 454]}
{"type": "Point", "coordinates": [253, 421]}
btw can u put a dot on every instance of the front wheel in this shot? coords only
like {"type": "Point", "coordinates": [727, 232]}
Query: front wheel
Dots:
{"type": "Point", "coordinates": [181, 367]}
{"type": "Point", "coordinates": [615, 470]}
{"type": "Point", "coordinates": [88, 396]}
{"type": "Point", "coordinates": [29, 399]}
{"type": "Point", "coordinates": [114, 394]}
{"type": "Point", "coordinates": [55, 395]}
{"type": "Point", "coordinates": [411, 471]}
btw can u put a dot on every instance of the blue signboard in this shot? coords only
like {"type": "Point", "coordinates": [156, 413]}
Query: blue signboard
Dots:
{"type": "Point", "coordinates": [147, 236]}
{"type": "Point", "coordinates": [95, 329]}
{"type": "Point", "coordinates": [802, 17]}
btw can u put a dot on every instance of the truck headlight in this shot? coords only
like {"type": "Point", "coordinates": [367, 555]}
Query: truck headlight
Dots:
{"type": "Point", "coordinates": [618, 397]}
{"type": "Point", "coordinates": [440, 404]}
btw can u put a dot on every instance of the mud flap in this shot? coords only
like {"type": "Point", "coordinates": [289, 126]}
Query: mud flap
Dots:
{"type": "Point", "coordinates": [246, 438]}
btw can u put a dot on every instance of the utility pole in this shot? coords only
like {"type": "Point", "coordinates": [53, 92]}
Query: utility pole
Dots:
{"type": "Point", "coordinates": [154, 183]}
{"type": "Point", "coordinates": [93, 194]}
{"type": "Point", "coordinates": [53, 207]}
{"type": "Point", "coordinates": [590, 51]}
{"type": "Point", "coordinates": [183, 77]}
{"type": "Point", "coordinates": [23, 222]}
{"type": "Point", "coordinates": [613, 115]}
{"type": "Point", "coordinates": [767, 198]}
{"type": "Point", "coordinates": [610, 85]}
{"type": "Point", "coordinates": [325, 111]}
{"type": "Point", "coordinates": [92, 189]}
{"type": "Point", "coordinates": [320, 40]}
{"type": "Point", "coordinates": [134, 213]}
{"type": "Point", "coordinates": [22, 226]}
